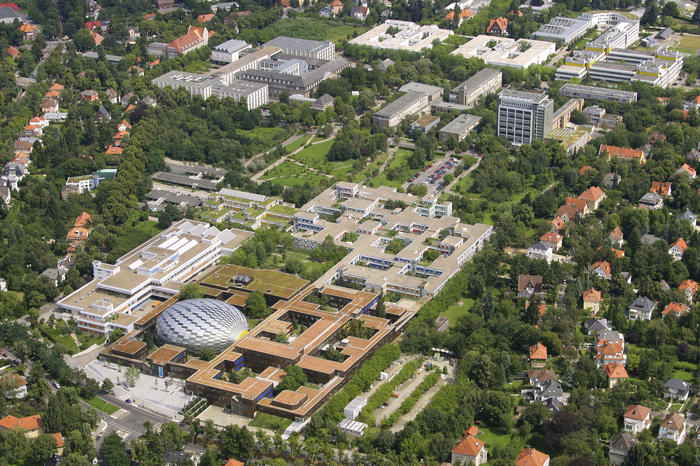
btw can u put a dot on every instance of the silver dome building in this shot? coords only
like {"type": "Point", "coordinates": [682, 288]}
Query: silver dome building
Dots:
{"type": "Point", "coordinates": [196, 324]}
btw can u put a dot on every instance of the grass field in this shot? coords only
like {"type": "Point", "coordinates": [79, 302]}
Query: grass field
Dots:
{"type": "Point", "coordinates": [396, 172]}
{"type": "Point", "coordinates": [266, 134]}
{"type": "Point", "coordinates": [290, 174]}
{"type": "Point", "coordinates": [454, 312]}
{"type": "Point", "coordinates": [688, 44]}
{"type": "Point", "coordinates": [492, 439]}
{"type": "Point", "coordinates": [102, 405]}
{"type": "Point", "coordinates": [314, 155]}
{"type": "Point", "coordinates": [316, 29]}
{"type": "Point", "coordinates": [294, 145]}
{"type": "Point", "coordinates": [269, 421]}
{"type": "Point", "coordinates": [197, 66]}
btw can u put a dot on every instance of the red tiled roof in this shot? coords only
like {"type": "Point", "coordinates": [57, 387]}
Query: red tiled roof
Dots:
{"type": "Point", "coordinates": [637, 412]}
{"type": "Point", "coordinates": [594, 193]}
{"type": "Point", "coordinates": [27, 28]}
{"type": "Point", "coordinates": [538, 351]}
{"type": "Point", "coordinates": [464, 14]}
{"type": "Point", "coordinates": [673, 421]}
{"type": "Point", "coordinates": [677, 309]}
{"type": "Point", "coordinates": [13, 51]}
{"type": "Point", "coordinates": [688, 169]}
{"type": "Point", "coordinates": [592, 295]}
{"type": "Point", "coordinates": [194, 35]}
{"type": "Point", "coordinates": [469, 446]}
{"type": "Point", "coordinates": [616, 234]}
{"type": "Point", "coordinates": [232, 462]}
{"type": "Point", "coordinates": [59, 440]}
{"type": "Point", "coordinates": [531, 457]}
{"type": "Point", "coordinates": [579, 204]}
{"type": "Point", "coordinates": [622, 152]}
{"type": "Point", "coordinates": [619, 253]}
{"type": "Point", "coordinates": [615, 370]}
{"type": "Point", "coordinates": [689, 284]}
{"type": "Point", "coordinates": [501, 22]}
{"type": "Point", "coordinates": [205, 18]}
{"type": "Point", "coordinates": [97, 38]}
{"type": "Point", "coordinates": [584, 169]}
{"type": "Point", "coordinates": [28, 423]}
{"type": "Point", "coordinates": [83, 220]}
{"type": "Point", "coordinates": [551, 237]}
{"type": "Point", "coordinates": [92, 25]}
{"type": "Point", "coordinates": [558, 223]}
{"type": "Point", "coordinates": [661, 188]}
{"type": "Point", "coordinates": [680, 244]}
{"type": "Point", "coordinates": [603, 265]}
{"type": "Point", "coordinates": [149, 16]}
{"type": "Point", "coordinates": [112, 150]}
{"type": "Point", "coordinates": [11, 5]}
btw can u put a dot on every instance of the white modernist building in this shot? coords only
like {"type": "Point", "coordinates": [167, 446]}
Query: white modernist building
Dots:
{"type": "Point", "coordinates": [562, 29]}
{"type": "Point", "coordinates": [156, 269]}
{"type": "Point", "coordinates": [503, 51]}
{"type": "Point", "coordinates": [229, 51]}
{"type": "Point", "coordinates": [411, 36]}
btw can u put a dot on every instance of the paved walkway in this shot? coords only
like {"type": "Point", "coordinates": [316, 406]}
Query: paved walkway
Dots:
{"type": "Point", "coordinates": [288, 141]}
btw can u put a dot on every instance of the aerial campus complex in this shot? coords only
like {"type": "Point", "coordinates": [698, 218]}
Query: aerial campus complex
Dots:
{"type": "Point", "coordinates": [327, 328]}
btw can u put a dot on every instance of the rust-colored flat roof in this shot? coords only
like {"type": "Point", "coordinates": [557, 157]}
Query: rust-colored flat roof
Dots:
{"type": "Point", "coordinates": [196, 364]}
{"type": "Point", "coordinates": [289, 398]}
{"type": "Point", "coordinates": [238, 298]}
{"type": "Point", "coordinates": [165, 354]}
{"type": "Point", "coordinates": [128, 346]}
{"type": "Point", "coordinates": [267, 347]}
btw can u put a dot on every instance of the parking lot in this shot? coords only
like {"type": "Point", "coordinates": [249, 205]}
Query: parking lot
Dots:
{"type": "Point", "coordinates": [433, 174]}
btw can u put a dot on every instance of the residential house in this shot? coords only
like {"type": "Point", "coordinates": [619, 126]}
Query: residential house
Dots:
{"type": "Point", "coordinates": [29, 31]}
{"type": "Point", "coordinates": [690, 288]}
{"type": "Point", "coordinates": [596, 325]}
{"type": "Point", "coordinates": [610, 180]}
{"type": "Point", "coordinates": [677, 249]}
{"type": "Point", "coordinates": [97, 38]}
{"type": "Point", "coordinates": [649, 239]}
{"type": "Point", "coordinates": [137, 70]}
{"type": "Point", "coordinates": [689, 217]}
{"type": "Point", "coordinates": [53, 275]}
{"type": "Point", "coordinates": [469, 450]}
{"type": "Point", "coordinates": [558, 224]}
{"type": "Point", "coordinates": [529, 285]}
{"type": "Point", "coordinates": [539, 377]}
{"type": "Point", "coordinates": [593, 197]}
{"type": "Point", "coordinates": [661, 188]}
{"type": "Point", "coordinates": [641, 309]}
{"type": "Point", "coordinates": [591, 301]}
{"type": "Point", "coordinates": [14, 52]}
{"type": "Point", "coordinates": [550, 390]}
{"type": "Point", "coordinates": [620, 445]}
{"type": "Point", "coordinates": [89, 95]}
{"type": "Point", "coordinates": [463, 16]}
{"type": "Point", "coordinates": [616, 237]}
{"type": "Point", "coordinates": [16, 386]}
{"type": "Point", "coordinates": [579, 204]}
{"type": "Point", "coordinates": [675, 310]}
{"type": "Point", "coordinates": [602, 269]}
{"type": "Point", "coordinates": [30, 425]}
{"type": "Point", "coordinates": [205, 18]}
{"type": "Point", "coordinates": [102, 115]}
{"type": "Point", "coordinates": [114, 150]}
{"type": "Point", "coordinates": [531, 457]}
{"type": "Point", "coordinates": [49, 105]}
{"type": "Point", "coordinates": [165, 4]}
{"type": "Point", "coordinates": [336, 6]}
{"type": "Point", "coordinates": [673, 427]}
{"type": "Point", "coordinates": [39, 121]}
{"type": "Point", "coordinates": [79, 233]}
{"type": "Point", "coordinates": [540, 251]}
{"type": "Point", "coordinates": [651, 201]}
{"type": "Point", "coordinates": [610, 350]}
{"type": "Point", "coordinates": [677, 389]}
{"type": "Point", "coordinates": [112, 96]}
{"type": "Point", "coordinates": [194, 39]}
{"type": "Point", "coordinates": [385, 64]}
{"type": "Point", "coordinates": [615, 372]}
{"type": "Point", "coordinates": [119, 137]}
{"type": "Point", "coordinates": [498, 27]}
{"type": "Point", "coordinates": [12, 173]}
{"type": "Point", "coordinates": [637, 418]}
{"type": "Point", "coordinates": [359, 12]}
{"type": "Point", "coordinates": [538, 352]}
{"type": "Point", "coordinates": [565, 214]}
{"type": "Point", "coordinates": [552, 239]}
{"type": "Point", "coordinates": [686, 170]}
{"type": "Point", "coordinates": [5, 195]}
{"type": "Point", "coordinates": [232, 462]}
{"type": "Point", "coordinates": [60, 443]}
{"type": "Point", "coordinates": [623, 153]}
{"type": "Point", "coordinates": [124, 126]}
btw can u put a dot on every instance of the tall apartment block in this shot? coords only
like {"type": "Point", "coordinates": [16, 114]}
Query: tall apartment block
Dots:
{"type": "Point", "coordinates": [524, 116]}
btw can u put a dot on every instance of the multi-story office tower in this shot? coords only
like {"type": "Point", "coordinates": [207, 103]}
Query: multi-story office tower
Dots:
{"type": "Point", "coordinates": [524, 116]}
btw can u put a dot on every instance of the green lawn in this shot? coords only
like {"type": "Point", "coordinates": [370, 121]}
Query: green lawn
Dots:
{"type": "Point", "coordinates": [290, 174]}
{"type": "Point", "coordinates": [689, 41]}
{"type": "Point", "coordinates": [492, 438]}
{"type": "Point", "coordinates": [370, 168]}
{"type": "Point", "coordinates": [57, 337]}
{"type": "Point", "coordinates": [197, 66]}
{"type": "Point", "coordinates": [676, 406]}
{"type": "Point", "coordinates": [316, 29]}
{"type": "Point", "coordinates": [265, 134]}
{"type": "Point", "coordinates": [314, 155]}
{"type": "Point", "coordinates": [269, 421]}
{"type": "Point", "coordinates": [296, 144]}
{"type": "Point", "coordinates": [396, 172]}
{"type": "Point", "coordinates": [454, 312]}
{"type": "Point", "coordinates": [102, 405]}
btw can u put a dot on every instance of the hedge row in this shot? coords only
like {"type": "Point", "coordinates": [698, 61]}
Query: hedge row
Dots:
{"type": "Point", "coordinates": [383, 393]}
{"type": "Point", "coordinates": [430, 380]}
{"type": "Point", "coordinates": [361, 380]}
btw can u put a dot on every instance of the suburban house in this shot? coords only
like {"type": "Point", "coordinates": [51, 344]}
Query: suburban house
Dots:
{"type": "Point", "coordinates": [89, 95]}
{"type": "Point", "coordinates": [591, 300]}
{"type": "Point", "coordinates": [651, 201]}
{"type": "Point", "coordinates": [677, 249]}
{"type": "Point", "coordinates": [673, 427]}
{"type": "Point", "coordinates": [538, 352]}
{"type": "Point", "coordinates": [549, 390]}
{"type": "Point", "coordinates": [620, 445]}
{"type": "Point", "coordinates": [463, 15]}
{"type": "Point", "coordinates": [359, 12]}
{"type": "Point", "coordinates": [540, 251]}
{"type": "Point", "coordinates": [49, 105]}
{"type": "Point", "coordinates": [469, 450]}
{"type": "Point", "coordinates": [616, 237]}
{"type": "Point", "coordinates": [641, 309]}
{"type": "Point", "coordinates": [610, 349]}
{"type": "Point", "coordinates": [661, 188]}
{"type": "Point", "coordinates": [60, 443]}
{"type": "Point", "coordinates": [529, 285]}
{"type": "Point", "coordinates": [690, 217]}
{"type": "Point", "coordinates": [552, 239]}
{"type": "Point", "coordinates": [623, 153]}
{"type": "Point", "coordinates": [531, 457]}
{"type": "Point", "coordinates": [498, 27]}
{"type": "Point", "coordinates": [615, 372]}
{"type": "Point", "coordinates": [539, 377]}
{"type": "Point", "coordinates": [686, 170]}
{"type": "Point", "coordinates": [690, 288]}
{"type": "Point", "coordinates": [602, 269]}
{"type": "Point", "coordinates": [30, 425]}
{"type": "Point", "coordinates": [593, 197]}
{"type": "Point", "coordinates": [637, 418]}
{"type": "Point", "coordinates": [596, 325]}
{"type": "Point", "coordinates": [677, 389]}
{"type": "Point", "coordinates": [675, 310]}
